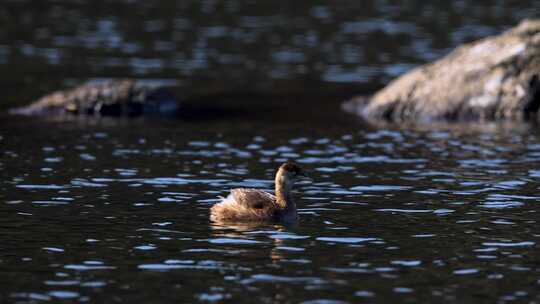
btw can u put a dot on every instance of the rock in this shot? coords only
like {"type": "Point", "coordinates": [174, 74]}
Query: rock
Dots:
{"type": "Point", "coordinates": [493, 78]}
{"type": "Point", "coordinates": [124, 97]}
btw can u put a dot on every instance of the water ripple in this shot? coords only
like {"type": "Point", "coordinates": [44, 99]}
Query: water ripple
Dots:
{"type": "Point", "coordinates": [348, 240]}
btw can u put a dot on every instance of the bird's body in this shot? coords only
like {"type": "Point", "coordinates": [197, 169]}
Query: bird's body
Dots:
{"type": "Point", "coordinates": [248, 205]}
{"type": "Point", "coordinates": [244, 204]}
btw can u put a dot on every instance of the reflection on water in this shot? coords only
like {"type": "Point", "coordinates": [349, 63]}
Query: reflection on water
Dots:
{"type": "Point", "coordinates": [441, 215]}
{"type": "Point", "coordinates": [210, 46]}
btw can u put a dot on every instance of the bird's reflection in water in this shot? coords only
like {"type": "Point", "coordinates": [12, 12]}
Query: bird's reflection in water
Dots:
{"type": "Point", "coordinates": [250, 230]}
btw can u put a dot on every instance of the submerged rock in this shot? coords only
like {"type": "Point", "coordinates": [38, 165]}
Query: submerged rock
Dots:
{"type": "Point", "coordinates": [124, 97]}
{"type": "Point", "coordinates": [493, 78]}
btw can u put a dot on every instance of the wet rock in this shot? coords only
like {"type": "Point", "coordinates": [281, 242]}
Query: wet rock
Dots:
{"type": "Point", "coordinates": [493, 78]}
{"type": "Point", "coordinates": [124, 97]}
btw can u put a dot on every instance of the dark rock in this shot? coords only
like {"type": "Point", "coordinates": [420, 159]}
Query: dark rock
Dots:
{"type": "Point", "coordinates": [493, 78]}
{"type": "Point", "coordinates": [111, 98]}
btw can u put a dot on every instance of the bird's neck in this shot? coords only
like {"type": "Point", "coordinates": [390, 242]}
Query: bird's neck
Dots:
{"type": "Point", "coordinates": [284, 193]}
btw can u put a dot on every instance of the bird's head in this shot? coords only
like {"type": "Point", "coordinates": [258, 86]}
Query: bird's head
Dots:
{"type": "Point", "coordinates": [289, 173]}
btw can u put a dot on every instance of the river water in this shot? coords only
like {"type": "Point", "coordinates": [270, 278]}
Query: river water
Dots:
{"type": "Point", "coordinates": [116, 211]}
{"type": "Point", "coordinates": [207, 47]}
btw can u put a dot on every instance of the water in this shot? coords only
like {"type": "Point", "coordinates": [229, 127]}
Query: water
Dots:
{"type": "Point", "coordinates": [117, 211]}
{"type": "Point", "coordinates": [210, 47]}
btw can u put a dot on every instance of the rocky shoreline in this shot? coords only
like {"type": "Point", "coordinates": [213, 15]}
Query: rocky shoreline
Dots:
{"type": "Point", "coordinates": [123, 97]}
{"type": "Point", "coordinates": [490, 79]}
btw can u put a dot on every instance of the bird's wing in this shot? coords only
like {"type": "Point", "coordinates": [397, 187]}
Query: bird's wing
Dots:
{"type": "Point", "coordinates": [253, 198]}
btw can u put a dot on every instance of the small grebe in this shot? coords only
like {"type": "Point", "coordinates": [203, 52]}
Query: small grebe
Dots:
{"type": "Point", "coordinates": [256, 205]}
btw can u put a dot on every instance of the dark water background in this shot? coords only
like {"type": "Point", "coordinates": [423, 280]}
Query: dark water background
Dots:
{"type": "Point", "coordinates": [207, 48]}
{"type": "Point", "coordinates": [116, 211]}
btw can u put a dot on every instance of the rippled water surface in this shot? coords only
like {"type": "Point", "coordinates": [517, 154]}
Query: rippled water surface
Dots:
{"type": "Point", "coordinates": [118, 212]}
{"type": "Point", "coordinates": [105, 211]}
{"type": "Point", "coordinates": [205, 46]}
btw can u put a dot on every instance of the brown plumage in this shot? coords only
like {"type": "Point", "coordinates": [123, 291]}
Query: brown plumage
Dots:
{"type": "Point", "coordinates": [256, 205]}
